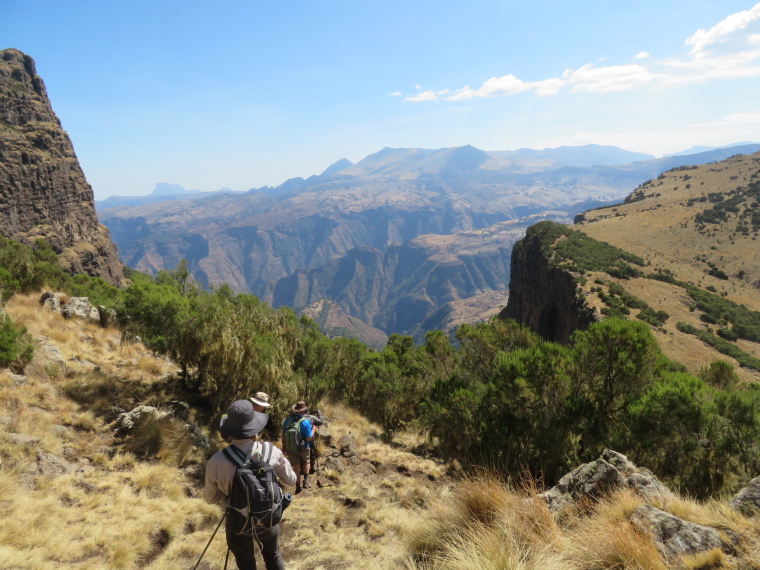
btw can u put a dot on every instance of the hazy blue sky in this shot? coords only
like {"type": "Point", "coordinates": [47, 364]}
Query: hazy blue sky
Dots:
{"type": "Point", "coordinates": [247, 93]}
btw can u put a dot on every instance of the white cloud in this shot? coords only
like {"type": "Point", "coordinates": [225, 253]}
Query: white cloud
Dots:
{"type": "Point", "coordinates": [728, 50]}
{"type": "Point", "coordinates": [733, 23]}
{"type": "Point", "coordinates": [423, 96]}
{"type": "Point", "coordinates": [607, 79]}
{"type": "Point", "coordinates": [395, 94]}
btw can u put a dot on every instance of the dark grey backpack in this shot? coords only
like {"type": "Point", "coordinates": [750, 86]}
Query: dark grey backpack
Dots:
{"type": "Point", "coordinates": [255, 499]}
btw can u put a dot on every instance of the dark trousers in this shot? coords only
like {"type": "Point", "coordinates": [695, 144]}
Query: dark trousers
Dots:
{"type": "Point", "coordinates": [243, 550]}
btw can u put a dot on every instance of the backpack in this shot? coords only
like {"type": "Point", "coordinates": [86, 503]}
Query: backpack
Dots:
{"type": "Point", "coordinates": [255, 499]}
{"type": "Point", "coordinates": [293, 440]}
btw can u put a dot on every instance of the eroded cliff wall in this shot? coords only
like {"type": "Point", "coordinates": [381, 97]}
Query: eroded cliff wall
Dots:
{"type": "Point", "coordinates": [541, 296]}
{"type": "Point", "coordinates": [43, 191]}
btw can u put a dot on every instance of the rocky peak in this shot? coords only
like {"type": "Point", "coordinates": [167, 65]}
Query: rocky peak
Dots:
{"type": "Point", "coordinates": [43, 191]}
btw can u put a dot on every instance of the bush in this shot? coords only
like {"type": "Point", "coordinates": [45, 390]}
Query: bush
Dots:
{"type": "Point", "coordinates": [15, 344]}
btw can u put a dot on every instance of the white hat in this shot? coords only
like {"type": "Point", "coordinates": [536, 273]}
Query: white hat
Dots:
{"type": "Point", "coordinates": [261, 399]}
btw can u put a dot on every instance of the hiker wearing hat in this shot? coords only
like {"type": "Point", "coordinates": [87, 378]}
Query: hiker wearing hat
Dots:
{"type": "Point", "coordinates": [297, 434]}
{"type": "Point", "coordinates": [239, 427]}
{"type": "Point", "coordinates": [260, 401]}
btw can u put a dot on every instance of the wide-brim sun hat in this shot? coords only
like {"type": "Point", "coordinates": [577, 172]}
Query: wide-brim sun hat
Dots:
{"type": "Point", "coordinates": [261, 399]}
{"type": "Point", "coordinates": [300, 407]}
{"type": "Point", "coordinates": [241, 421]}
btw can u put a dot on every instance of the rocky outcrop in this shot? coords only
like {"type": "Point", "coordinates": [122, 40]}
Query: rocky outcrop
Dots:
{"type": "Point", "coordinates": [611, 472]}
{"type": "Point", "coordinates": [43, 191]}
{"type": "Point", "coordinates": [542, 296]}
{"type": "Point", "coordinates": [747, 501]}
{"type": "Point", "coordinates": [674, 537]}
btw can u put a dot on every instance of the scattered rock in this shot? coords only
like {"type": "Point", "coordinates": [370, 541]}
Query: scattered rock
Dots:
{"type": "Point", "coordinates": [590, 480]}
{"type": "Point", "coordinates": [674, 537]}
{"type": "Point", "coordinates": [353, 460]}
{"type": "Point", "coordinates": [59, 430]}
{"type": "Point", "coordinates": [747, 501]}
{"type": "Point", "coordinates": [334, 464]}
{"type": "Point", "coordinates": [18, 379]}
{"type": "Point", "coordinates": [80, 307]}
{"type": "Point", "coordinates": [49, 465]}
{"type": "Point", "coordinates": [53, 301]}
{"type": "Point", "coordinates": [347, 445]}
{"type": "Point", "coordinates": [47, 360]}
{"type": "Point", "coordinates": [23, 438]}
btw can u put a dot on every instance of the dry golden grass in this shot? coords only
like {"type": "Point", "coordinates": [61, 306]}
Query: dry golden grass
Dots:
{"type": "Point", "coordinates": [661, 230]}
{"type": "Point", "coordinates": [483, 524]}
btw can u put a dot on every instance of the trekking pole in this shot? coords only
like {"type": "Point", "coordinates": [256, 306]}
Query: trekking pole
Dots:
{"type": "Point", "coordinates": [226, 558]}
{"type": "Point", "coordinates": [209, 542]}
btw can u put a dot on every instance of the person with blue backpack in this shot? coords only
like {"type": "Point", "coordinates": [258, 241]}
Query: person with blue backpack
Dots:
{"type": "Point", "coordinates": [297, 434]}
{"type": "Point", "coordinates": [244, 475]}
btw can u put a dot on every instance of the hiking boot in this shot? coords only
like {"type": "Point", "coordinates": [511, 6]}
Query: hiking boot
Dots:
{"type": "Point", "coordinates": [298, 489]}
{"type": "Point", "coordinates": [306, 484]}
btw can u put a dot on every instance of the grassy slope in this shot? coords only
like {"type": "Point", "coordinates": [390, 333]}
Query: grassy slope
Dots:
{"type": "Point", "coordinates": [661, 228]}
{"type": "Point", "coordinates": [393, 510]}
{"type": "Point", "coordinates": [125, 511]}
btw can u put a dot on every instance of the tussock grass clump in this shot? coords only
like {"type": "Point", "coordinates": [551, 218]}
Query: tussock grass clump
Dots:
{"type": "Point", "coordinates": [161, 435]}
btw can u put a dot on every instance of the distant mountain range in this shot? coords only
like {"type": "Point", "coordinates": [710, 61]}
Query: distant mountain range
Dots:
{"type": "Point", "coordinates": [161, 193]}
{"type": "Point", "coordinates": [391, 239]}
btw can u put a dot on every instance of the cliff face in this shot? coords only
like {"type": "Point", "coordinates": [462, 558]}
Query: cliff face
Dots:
{"type": "Point", "coordinates": [43, 191]}
{"type": "Point", "coordinates": [542, 297]}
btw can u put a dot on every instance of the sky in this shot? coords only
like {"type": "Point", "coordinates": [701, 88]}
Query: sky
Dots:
{"type": "Point", "coordinates": [242, 94]}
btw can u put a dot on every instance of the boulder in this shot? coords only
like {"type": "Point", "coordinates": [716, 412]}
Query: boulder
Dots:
{"type": "Point", "coordinates": [747, 501]}
{"type": "Point", "coordinates": [644, 483]}
{"type": "Point", "coordinates": [674, 537]}
{"type": "Point", "coordinates": [590, 480]}
{"type": "Point", "coordinates": [47, 360]}
{"type": "Point", "coordinates": [80, 307]}
{"type": "Point", "coordinates": [53, 301]}
{"type": "Point", "coordinates": [18, 379]}
{"type": "Point", "coordinates": [107, 316]}
{"type": "Point", "coordinates": [347, 445]}
{"type": "Point", "coordinates": [618, 460]}
{"type": "Point", "coordinates": [23, 438]}
{"type": "Point", "coordinates": [334, 464]}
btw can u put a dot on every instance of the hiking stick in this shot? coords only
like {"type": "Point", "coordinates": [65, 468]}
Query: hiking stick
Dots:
{"type": "Point", "coordinates": [209, 542]}
{"type": "Point", "coordinates": [226, 558]}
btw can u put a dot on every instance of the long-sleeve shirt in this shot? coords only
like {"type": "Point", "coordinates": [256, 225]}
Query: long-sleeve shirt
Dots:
{"type": "Point", "coordinates": [220, 470]}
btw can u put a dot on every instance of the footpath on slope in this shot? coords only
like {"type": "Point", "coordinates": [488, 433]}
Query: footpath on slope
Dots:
{"type": "Point", "coordinates": [82, 491]}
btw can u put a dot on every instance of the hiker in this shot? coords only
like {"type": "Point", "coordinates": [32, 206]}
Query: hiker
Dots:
{"type": "Point", "coordinates": [297, 432]}
{"type": "Point", "coordinates": [316, 421]}
{"type": "Point", "coordinates": [260, 401]}
{"type": "Point", "coordinates": [239, 428]}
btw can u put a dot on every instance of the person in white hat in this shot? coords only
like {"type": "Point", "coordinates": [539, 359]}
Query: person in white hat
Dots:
{"type": "Point", "coordinates": [260, 401]}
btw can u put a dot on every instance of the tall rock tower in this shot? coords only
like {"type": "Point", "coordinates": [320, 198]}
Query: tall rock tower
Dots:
{"type": "Point", "coordinates": [43, 191]}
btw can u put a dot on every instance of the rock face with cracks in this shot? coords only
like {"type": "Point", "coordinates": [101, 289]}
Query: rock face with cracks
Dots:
{"type": "Point", "coordinates": [43, 191]}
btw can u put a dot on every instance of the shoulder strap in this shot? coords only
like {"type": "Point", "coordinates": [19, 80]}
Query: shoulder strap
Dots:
{"type": "Point", "coordinates": [236, 455]}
